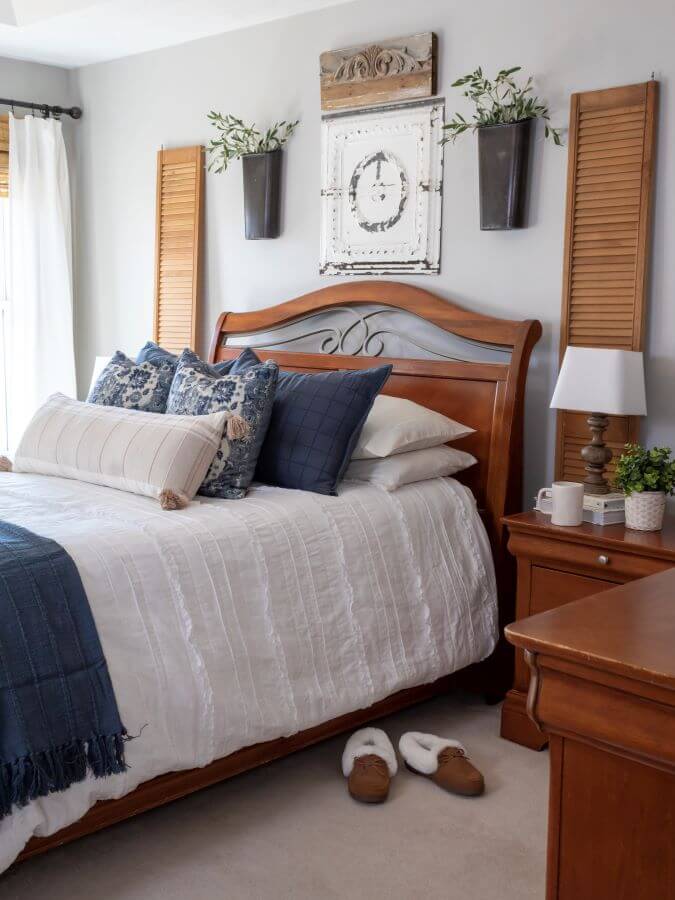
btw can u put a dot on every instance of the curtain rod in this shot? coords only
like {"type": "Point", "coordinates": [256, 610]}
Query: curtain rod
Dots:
{"type": "Point", "coordinates": [75, 112]}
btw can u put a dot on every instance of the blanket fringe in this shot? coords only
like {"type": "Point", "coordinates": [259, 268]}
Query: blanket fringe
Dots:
{"type": "Point", "coordinates": [49, 771]}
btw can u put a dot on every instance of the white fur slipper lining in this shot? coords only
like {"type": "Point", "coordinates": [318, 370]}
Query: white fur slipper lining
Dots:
{"type": "Point", "coordinates": [364, 742]}
{"type": "Point", "coordinates": [421, 751]}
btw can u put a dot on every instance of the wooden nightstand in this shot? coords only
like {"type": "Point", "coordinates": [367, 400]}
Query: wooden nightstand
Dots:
{"type": "Point", "coordinates": [557, 565]}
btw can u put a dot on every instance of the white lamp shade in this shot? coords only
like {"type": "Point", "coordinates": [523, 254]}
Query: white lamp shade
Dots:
{"type": "Point", "coordinates": [99, 365]}
{"type": "Point", "coordinates": [601, 381]}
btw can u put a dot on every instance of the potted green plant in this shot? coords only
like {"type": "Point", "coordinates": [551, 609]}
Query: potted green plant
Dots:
{"type": "Point", "coordinates": [503, 117]}
{"type": "Point", "coordinates": [645, 477]}
{"type": "Point", "coordinates": [260, 153]}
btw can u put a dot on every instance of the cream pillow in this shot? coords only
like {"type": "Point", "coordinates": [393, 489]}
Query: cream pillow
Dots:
{"type": "Point", "coordinates": [154, 454]}
{"type": "Point", "coordinates": [395, 425]}
{"type": "Point", "coordinates": [404, 468]}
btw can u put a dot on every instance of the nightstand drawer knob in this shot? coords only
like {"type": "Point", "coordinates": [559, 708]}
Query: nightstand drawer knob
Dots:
{"type": "Point", "coordinates": [603, 560]}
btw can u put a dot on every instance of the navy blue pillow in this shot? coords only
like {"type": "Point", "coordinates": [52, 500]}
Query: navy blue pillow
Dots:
{"type": "Point", "coordinates": [315, 424]}
{"type": "Point", "coordinates": [152, 352]}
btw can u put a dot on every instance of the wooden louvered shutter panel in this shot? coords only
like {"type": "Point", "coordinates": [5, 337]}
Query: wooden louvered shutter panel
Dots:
{"type": "Point", "coordinates": [609, 187]}
{"type": "Point", "coordinates": [180, 188]}
{"type": "Point", "coordinates": [4, 156]}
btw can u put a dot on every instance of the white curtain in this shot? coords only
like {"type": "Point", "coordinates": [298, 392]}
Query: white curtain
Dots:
{"type": "Point", "coordinates": [41, 357]}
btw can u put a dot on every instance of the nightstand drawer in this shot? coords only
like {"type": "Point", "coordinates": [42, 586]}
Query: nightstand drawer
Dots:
{"type": "Point", "coordinates": [598, 562]}
{"type": "Point", "coordinates": [551, 588]}
{"type": "Point", "coordinates": [559, 565]}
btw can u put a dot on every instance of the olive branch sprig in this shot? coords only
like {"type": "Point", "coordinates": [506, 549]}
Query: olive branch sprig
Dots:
{"type": "Point", "coordinates": [236, 139]}
{"type": "Point", "coordinates": [499, 102]}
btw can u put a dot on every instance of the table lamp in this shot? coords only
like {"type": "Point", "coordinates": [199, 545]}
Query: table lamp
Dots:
{"type": "Point", "coordinates": [603, 383]}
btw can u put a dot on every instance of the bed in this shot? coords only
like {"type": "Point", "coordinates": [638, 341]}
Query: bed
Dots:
{"type": "Point", "coordinates": [239, 631]}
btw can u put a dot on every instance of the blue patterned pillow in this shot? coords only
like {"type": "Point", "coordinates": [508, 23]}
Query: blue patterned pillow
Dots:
{"type": "Point", "coordinates": [125, 383]}
{"type": "Point", "coordinates": [152, 352]}
{"type": "Point", "coordinates": [197, 389]}
{"type": "Point", "coordinates": [316, 422]}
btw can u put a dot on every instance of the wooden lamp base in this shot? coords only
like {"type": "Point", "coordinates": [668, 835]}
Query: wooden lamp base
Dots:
{"type": "Point", "coordinates": [596, 455]}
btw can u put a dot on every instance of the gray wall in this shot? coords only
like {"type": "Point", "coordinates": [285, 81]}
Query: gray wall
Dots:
{"type": "Point", "coordinates": [134, 106]}
{"type": "Point", "coordinates": [30, 81]}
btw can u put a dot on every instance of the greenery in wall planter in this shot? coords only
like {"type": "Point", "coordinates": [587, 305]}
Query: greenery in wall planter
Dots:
{"type": "Point", "coordinates": [499, 102]}
{"type": "Point", "coordinates": [503, 117]}
{"type": "Point", "coordinates": [645, 477]}
{"type": "Point", "coordinates": [260, 153]}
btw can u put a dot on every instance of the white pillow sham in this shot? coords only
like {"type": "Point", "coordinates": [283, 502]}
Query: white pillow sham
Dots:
{"type": "Point", "coordinates": [395, 425]}
{"type": "Point", "coordinates": [154, 454]}
{"type": "Point", "coordinates": [404, 468]}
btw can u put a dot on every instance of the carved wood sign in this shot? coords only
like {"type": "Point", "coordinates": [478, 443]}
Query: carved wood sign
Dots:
{"type": "Point", "coordinates": [395, 69]}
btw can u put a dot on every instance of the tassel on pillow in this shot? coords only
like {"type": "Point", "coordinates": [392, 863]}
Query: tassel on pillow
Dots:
{"type": "Point", "coordinates": [5, 464]}
{"type": "Point", "coordinates": [237, 428]}
{"type": "Point", "coordinates": [169, 499]}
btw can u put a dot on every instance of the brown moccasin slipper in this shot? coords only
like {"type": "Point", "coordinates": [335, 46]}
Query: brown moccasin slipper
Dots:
{"type": "Point", "coordinates": [369, 764]}
{"type": "Point", "coordinates": [443, 761]}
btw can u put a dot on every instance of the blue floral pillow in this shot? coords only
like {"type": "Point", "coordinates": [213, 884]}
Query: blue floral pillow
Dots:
{"type": "Point", "coordinates": [125, 383]}
{"type": "Point", "coordinates": [198, 389]}
{"type": "Point", "coordinates": [152, 352]}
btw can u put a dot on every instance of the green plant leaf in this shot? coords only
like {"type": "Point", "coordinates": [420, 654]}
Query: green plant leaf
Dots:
{"type": "Point", "coordinates": [638, 470]}
{"type": "Point", "coordinates": [498, 102]}
{"type": "Point", "coordinates": [237, 139]}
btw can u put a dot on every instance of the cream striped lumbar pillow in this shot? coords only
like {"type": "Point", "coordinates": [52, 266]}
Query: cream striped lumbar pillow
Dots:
{"type": "Point", "coordinates": [154, 454]}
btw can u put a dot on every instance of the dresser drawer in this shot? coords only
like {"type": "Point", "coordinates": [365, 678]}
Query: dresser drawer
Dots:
{"type": "Point", "coordinates": [585, 559]}
{"type": "Point", "coordinates": [551, 588]}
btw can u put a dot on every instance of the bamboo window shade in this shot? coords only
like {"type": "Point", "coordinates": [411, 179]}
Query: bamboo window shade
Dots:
{"type": "Point", "coordinates": [4, 156]}
{"type": "Point", "coordinates": [180, 189]}
{"type": "Point", "coordinates": [609, 190]}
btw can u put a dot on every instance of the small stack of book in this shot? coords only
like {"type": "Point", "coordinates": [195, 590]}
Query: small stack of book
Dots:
{"type": "Point", "coordinates": [599, 509]}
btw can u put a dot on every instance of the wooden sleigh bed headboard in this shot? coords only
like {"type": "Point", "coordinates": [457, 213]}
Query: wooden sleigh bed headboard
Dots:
{"type": "Point", "coordinates": [488, 396]}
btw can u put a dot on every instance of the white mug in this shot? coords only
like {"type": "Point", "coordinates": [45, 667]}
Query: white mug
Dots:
{"type": "Point", "coordinates": [568, 503]}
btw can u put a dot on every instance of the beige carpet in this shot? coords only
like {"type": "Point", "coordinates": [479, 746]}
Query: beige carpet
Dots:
{"type": "Point", "coordinates": [290, 830]}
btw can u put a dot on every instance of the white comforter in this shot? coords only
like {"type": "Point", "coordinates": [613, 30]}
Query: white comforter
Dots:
{"type": "Point", "coordinates": [233, 622]}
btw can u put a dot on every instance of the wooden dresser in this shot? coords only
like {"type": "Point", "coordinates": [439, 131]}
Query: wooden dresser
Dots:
{"type": "Point", "coordinates": [603, 688]}
{"type": "Point", "coordinates": [559, 564]}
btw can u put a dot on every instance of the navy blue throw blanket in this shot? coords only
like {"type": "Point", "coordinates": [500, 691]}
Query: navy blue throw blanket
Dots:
{"type": "Point", "coordinates": [58, 713]}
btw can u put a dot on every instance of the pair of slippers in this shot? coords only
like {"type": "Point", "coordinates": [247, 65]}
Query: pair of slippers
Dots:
{"type": "Point", "coordinates": [369, 763]}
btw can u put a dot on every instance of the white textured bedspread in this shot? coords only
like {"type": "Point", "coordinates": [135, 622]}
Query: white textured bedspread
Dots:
{"type": "Point", "coordinates": [233, 622]}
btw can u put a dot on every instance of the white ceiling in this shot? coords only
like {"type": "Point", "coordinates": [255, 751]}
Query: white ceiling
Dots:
{"type": "Point", "coordinates": [78, 32]}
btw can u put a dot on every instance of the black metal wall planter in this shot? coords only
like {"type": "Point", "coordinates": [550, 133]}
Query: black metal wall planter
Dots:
{"type": "Point", "coordinates": [260, 154]}
{"type": "Point", "coordinates": [262, 194]}
{"type": "Point", "coordinates": [503, 163]}
{"type": "Point", "coordinates": [503, 115]}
